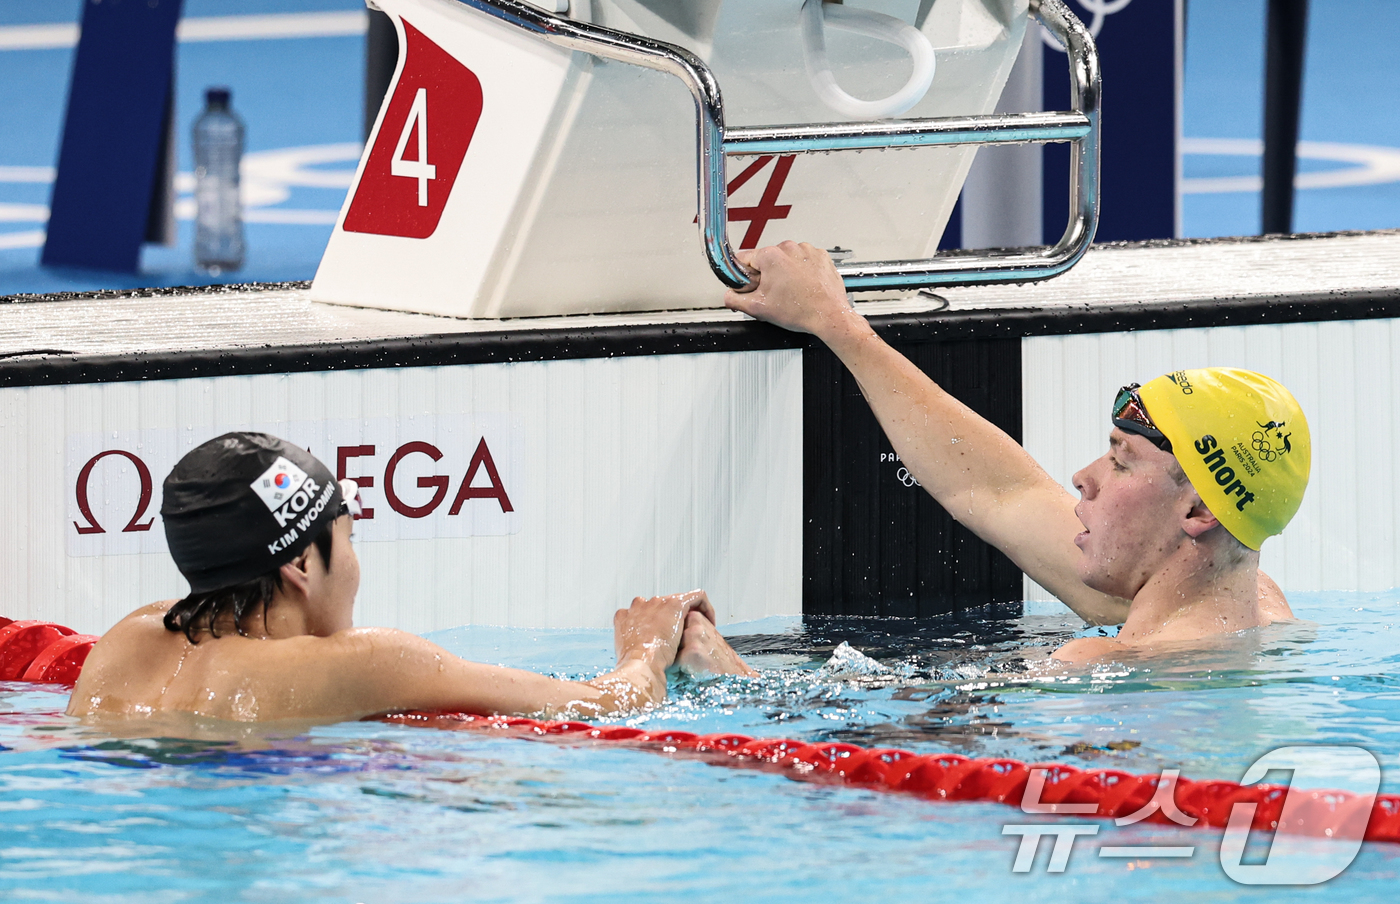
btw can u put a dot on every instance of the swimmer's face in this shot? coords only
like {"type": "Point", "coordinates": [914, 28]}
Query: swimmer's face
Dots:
{"type": "Point", "coordinates": [1132, 509]}
{"type": "Point", "coordinates": [332, 592]}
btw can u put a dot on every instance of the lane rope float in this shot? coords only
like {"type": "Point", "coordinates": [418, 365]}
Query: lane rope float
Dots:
{"type": "Point", "coordinates": [61, 661]}
{"type": "Point", "coordinates": [39, 651]}
{"type": "Point", "coordinates": [42, 651]}
{"type": "Point", "coordinates": [951, 776]}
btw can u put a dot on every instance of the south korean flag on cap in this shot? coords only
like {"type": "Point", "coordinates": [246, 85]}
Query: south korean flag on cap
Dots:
{"type": "Point", "coordinates": [277, 484]}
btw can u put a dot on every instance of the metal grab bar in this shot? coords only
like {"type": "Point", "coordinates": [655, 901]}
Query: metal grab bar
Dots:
{"type": "Point", "coordinates": [1007, 128]}
{"type": "Point", "coordinates": [1079, 127]}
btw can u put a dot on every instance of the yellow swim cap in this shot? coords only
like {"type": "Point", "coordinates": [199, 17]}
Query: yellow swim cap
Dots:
{"type": "Point", "coordinates": [1243, 442]}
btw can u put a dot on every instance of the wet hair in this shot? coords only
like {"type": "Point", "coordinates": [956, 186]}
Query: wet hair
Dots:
{"type": "Point", "coordinates": [201, 612]}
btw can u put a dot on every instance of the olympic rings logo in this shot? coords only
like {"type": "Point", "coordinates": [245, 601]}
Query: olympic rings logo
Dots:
{"type": "Point", "coordinates": [1099, 9]}
{"type": "Point", "coordinates": [1263, 446]}
{"type": "Point", "coordinates": [906, 478]}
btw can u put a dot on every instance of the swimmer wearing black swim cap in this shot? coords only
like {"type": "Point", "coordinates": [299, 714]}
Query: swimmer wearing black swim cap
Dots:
{"type": "Point", "coordinates": [1165, 536]}
{"type": "Point", "coordinates": [261, 530]}
{"type": "Point", "coordinates": [241, 505]}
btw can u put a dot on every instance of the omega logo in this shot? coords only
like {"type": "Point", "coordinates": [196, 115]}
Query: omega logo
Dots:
{"type": "Point", "coordinates": [481, 480]}
{"type": "Point", "coordinates": [481, 460]}
{"type": "Point", "coordinates": [144, 502]}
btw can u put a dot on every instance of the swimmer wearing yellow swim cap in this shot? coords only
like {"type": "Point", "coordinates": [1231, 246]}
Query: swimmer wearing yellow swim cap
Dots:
{"type": "Point", "coordinates": [1202, 466]}
{"type": "Point", "coordinates": [1239, 436]}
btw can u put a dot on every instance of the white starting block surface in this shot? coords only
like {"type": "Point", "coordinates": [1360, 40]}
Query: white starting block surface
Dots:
{"type": "Point", "coordinates": [541, 472]}
{"type": "Point", "coordinates": [499, 160]}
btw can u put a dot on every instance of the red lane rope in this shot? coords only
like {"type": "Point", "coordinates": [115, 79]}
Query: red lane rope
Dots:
{"type": "Point", "coordinates": [951, 776]}
{"type": "Point", "coordinates": [61, 661]}
{"type": "Point", "coordinates": [46, 652]}
{"type": "Point", "coordinates": [42, 651]}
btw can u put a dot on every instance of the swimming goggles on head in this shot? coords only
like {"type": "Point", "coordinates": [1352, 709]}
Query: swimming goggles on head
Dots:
{"type": "Point", "coordinates": [1131, 415]}
{"type": "Point", "coordinates": [349, 499]}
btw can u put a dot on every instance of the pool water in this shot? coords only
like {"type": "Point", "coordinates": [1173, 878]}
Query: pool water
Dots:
{"type": "Point", "coordinates": [369, 812]}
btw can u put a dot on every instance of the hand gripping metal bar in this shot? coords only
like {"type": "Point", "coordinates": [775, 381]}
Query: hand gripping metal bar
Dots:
{"type": "Point", "coordinates": [1079, 127]}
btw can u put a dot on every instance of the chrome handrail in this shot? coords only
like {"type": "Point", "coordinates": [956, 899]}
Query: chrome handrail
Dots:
{"type": "Point", "coordinates": [1079, 127]}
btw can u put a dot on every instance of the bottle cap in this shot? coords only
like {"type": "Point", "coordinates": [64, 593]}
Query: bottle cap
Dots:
{"type": "Point", "coordinates": [218, 97]}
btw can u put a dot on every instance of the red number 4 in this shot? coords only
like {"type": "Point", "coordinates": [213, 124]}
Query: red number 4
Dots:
{"type": "Point", "coordinates": [768, 207]}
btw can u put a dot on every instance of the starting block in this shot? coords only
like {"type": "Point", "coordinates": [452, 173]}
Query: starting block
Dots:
{"type": "Point", "coordinates": [528, 163]}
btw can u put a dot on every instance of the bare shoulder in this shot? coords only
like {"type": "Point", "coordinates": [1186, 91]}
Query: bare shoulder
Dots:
{"type": "Point", "coordinates": [123, 656]}
{"type": "Point", "coordinates": [145, 616]}
{"type": "Point", "coordinates": [378, 643]}
{"type": "Point", "coordinates": [364, 657]}
{"type": "Point", "coordinates": [366, 649]}
{"type": "Point", "coordinates": [361, 671]}
{"type": "Point", "coordinates": [1089, 649]}
{"type": "Point", "coordinates": [146, 623]}
{"type": "Point", "coordinates": [1272, 602]}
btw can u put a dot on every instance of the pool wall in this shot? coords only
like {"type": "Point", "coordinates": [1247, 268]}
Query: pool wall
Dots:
{"type": "Point", "coordinates": [653, 452]}
{"type": "Point", "coordinates": [543, 494]}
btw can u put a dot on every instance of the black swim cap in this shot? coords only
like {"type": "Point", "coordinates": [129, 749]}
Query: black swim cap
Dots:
{"type": "Point", "coordinates": [242, 505]}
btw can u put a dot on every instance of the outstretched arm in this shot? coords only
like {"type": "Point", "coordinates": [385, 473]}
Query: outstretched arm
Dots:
{"type": "Point", "coordinates": [982, 477]}
{"type": "Point", "coordinates": [388, 671]}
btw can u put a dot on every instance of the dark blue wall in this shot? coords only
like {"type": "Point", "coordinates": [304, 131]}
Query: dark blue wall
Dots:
{"type": "Point", "coordinates": [1138, 54]}
{"type": "Point", "coordinates": [115, 128]}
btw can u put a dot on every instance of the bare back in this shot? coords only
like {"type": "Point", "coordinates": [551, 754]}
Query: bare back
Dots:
{"type": "Point", "coordinates": [139, 668]}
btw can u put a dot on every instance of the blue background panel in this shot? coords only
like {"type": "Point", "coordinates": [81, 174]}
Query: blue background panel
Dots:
{"type": "Point", "coordinates": [113, 133]}
{"type": "Point", "coordinates": [301, 99]}
{"type": "Point", "coordinates": [1137, 186]}
{"type": "Point", "coordinates": [1350, 125]}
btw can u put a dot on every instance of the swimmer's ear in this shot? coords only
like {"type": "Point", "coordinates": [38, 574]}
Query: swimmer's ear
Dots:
{"type": "Point", "coordinates": [294, 576]}
{"type": "Point", "coordinates": [1199, 520]}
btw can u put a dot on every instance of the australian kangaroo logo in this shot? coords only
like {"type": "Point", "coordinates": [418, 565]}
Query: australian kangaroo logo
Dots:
{"type": "Point", "coordinates": [1270, 441]}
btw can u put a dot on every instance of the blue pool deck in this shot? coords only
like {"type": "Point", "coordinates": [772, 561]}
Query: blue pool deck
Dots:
{"type": "Point", "coordinates": [301, 97]}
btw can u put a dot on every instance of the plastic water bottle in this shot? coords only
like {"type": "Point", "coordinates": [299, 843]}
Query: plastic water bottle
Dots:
{"type": "Point", "coordinates": [218, 148]}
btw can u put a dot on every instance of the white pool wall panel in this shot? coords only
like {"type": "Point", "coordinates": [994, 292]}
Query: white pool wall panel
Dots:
{"type": "Point", "coordinates": [629, 476]}
{"type": "Point", "coordinates": [1344, 375]}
